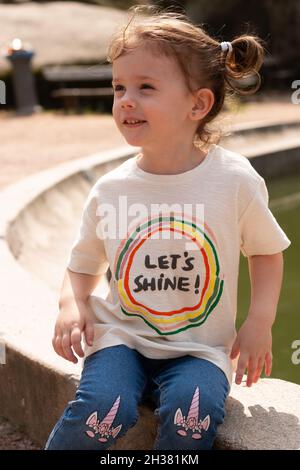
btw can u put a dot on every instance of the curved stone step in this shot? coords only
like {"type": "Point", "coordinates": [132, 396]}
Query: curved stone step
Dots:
{"type": "Point", "coordinates": [264, 416]}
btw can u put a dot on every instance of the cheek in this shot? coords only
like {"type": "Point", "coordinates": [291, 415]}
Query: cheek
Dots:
{"type": "Point", "coordinates": [167, 110]}
{"type": "Point", "coordinates": [114, 109]}
{"type": "Point", "coordinates": [116, 115]}
{"type": "Point", "coordinates": [159, 113]}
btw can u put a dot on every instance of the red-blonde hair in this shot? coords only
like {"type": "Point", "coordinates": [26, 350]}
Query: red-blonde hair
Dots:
{"type": "Point", "coordinates": [199, 56]}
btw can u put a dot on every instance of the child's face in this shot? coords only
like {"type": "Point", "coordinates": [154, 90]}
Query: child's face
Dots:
{"type": "Point", "coordinates": [163, 101]}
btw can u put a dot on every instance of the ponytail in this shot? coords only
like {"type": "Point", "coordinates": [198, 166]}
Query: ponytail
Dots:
{"type": "Point", "coordinates": [241, 63]}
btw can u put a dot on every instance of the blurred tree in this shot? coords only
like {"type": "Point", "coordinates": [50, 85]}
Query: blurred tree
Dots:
{"type": "Point", "coordinates": [285, 29]}
{"type": "Point", "coordinates": [276, 22]}
{"type": "Point", "coordinates": [231, 17]}
{"type": "Point", "coordinates": [175, 5]}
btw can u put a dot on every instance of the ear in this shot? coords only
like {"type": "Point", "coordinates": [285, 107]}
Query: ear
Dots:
{"type": "Point", "coordinates": [203, 102]}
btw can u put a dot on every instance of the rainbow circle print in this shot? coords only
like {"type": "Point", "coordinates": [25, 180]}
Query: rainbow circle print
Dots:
{"type": "Point", "coordinates": [169, 312]}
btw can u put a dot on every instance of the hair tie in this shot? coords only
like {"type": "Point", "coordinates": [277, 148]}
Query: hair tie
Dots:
{"type": "Point", "coordinates": [226, 46]}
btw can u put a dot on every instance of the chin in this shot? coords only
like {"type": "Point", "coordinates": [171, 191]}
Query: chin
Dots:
{"type": "Point", "coordinates": [134, 142]}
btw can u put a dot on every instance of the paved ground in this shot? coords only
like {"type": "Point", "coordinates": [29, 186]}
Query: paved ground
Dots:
{"type": "Point", "coordinates": [13, 439]}
{"type": "Point", "coordinates": [31, 144]}
{"type": "Point", "coordinates": [35, 143]}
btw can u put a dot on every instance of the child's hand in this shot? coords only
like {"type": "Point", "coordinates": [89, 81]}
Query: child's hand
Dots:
{"type": "Point", "coordinates": [254, 343]}
{"type": "Point", "coordinates": [74, 318]}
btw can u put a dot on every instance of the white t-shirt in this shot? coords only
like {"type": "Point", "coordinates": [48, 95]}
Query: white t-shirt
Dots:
{"type": "Point", "coordinates": [175, 267]}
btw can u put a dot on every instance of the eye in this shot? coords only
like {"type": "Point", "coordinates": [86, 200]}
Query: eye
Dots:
{"type": "Point", "coordinates": [117, 87]}
{"type": "Point", "coordinates": [146, 85]}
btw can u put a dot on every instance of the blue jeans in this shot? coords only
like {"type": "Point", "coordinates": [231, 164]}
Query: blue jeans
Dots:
{"type": "Point", "coordinates": [189, 394]}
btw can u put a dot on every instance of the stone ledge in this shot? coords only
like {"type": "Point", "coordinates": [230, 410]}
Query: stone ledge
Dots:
{"type": "Point", "coordinates": [265, 416]}
{"type": "Point", "coordinates": [35, 383]}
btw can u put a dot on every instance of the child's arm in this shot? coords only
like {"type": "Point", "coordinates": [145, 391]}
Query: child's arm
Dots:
{"type": "Point", "coordinates": [254, 339]}
{"type": "Point", "coordinates": [77, 285]}
{"type": "Point", "coordinates": [74, 316]}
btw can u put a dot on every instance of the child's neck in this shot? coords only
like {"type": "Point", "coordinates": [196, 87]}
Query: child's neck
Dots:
{"type": "Point", "coordinates": [171, 163]}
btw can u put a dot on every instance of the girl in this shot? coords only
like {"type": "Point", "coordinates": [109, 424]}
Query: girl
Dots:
{"type": "Point", "coordinates": [170, 223]}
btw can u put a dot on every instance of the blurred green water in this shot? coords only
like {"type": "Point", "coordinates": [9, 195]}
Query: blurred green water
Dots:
{"type": "Point", "coordinates": [287, 326]}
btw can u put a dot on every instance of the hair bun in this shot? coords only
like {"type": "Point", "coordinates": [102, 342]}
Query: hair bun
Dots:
{"type": "Point", "coordinates": [243, 63]}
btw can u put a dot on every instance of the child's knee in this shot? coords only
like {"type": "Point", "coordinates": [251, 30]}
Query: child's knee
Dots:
{"type": "Point", "coordinates": [188, 421]}
{"type": "Point", "coordinates": [93, 424]}
{"type": "Point", "coordinates": [110, 419]}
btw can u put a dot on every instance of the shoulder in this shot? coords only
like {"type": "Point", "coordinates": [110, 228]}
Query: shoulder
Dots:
{"type": "Point", "coordinates": [113, 177]}
{"type": "Point", "coordinates": [235, 168]}
{"type": "Point", "coordinates": [235, 164]}
{"type": "Point", "coordinates": [236, 173]}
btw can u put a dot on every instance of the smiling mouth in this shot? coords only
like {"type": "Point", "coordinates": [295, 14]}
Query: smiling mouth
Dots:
{"type": "Point", "coordinates": [137, 124]}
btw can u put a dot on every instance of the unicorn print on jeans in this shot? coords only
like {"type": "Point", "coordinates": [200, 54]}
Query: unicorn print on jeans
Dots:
{"type": "Point", "coordinates": [104, 428]}
{"type": "Point", "coordinates": [192, 421]}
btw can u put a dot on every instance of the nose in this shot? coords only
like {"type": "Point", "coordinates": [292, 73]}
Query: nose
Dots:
{"type": "Point", "coordinates": [127, 104]}
{"type": "Point", "coordinates": [127, 101]}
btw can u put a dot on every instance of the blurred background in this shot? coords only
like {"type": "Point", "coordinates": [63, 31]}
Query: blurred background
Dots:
{"type": "Point", "coordinates": [77, 33]}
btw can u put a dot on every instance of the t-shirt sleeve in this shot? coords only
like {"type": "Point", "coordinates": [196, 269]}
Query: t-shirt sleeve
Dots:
{"type": "Point", "coordinates": [88, 253]}
{"type": "Point", "coordinates": [260, 233]}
